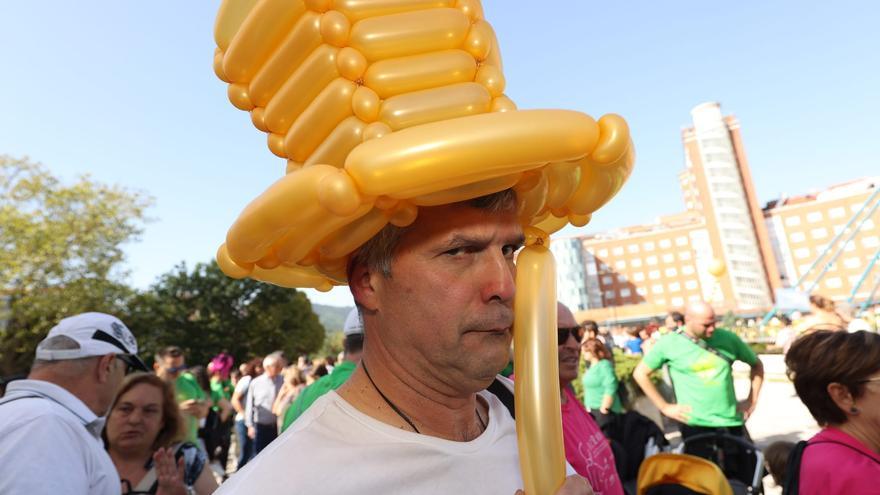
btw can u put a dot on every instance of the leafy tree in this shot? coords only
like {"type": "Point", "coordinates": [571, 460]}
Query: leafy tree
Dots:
{"type": "Point", "coordinates": [205, 312]}
{"type": "Point", "coordinates": [60, 252]}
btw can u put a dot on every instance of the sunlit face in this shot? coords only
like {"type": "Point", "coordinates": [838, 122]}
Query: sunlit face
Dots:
{"type": "Point", "coordinates": [447, 307]}
{"type": "Point", "coordinates": [670, 323]}
{"type": "Point", "coordinates": [169, 367]}
{"type": "Point", "coordinates": [136, 419]}
{"type": "Point", "coordinates": [701, 325]}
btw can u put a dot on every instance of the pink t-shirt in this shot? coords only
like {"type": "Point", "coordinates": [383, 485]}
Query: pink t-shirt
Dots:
{"type": "Point", "coordinates": [587, 449]}
{"type": "Point", "coordinates": [832, 468]}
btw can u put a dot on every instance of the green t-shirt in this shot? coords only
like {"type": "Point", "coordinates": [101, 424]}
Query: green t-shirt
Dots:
{"type": "Point", "coordinates": [702, 379]}
{"type": "Point", "coordinates": [599, 381]}
{"type": "Point", "coordinates": [186, 388]}
{"type": "Point", "coordinates": [310, 394]}
{"type": "Point", "coordinates": [220, 389]}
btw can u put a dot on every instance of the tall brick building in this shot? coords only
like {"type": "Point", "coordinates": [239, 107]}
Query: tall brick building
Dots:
{"type": "Point", "coordinates": [641, 271]}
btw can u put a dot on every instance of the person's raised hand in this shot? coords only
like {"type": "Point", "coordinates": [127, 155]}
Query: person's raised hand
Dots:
{"type": "Point", "coordinates": [573, 485]}
{"type": "Point", "coordinates": [169, 473]}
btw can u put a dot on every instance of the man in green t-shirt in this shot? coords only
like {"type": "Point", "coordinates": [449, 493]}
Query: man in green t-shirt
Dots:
{"type": "Point", "coordinates": [700, 358]}
{"type": "Point", "coordinates": [352, 347]}
{"type": "Point", "coordinates": [194, 404]}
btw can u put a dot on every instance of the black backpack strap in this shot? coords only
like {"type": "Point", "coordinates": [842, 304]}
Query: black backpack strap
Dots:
{"type": "Point", "coordinates": [793, 469]}
{"type": "Point", "coordinates": [504, 394]}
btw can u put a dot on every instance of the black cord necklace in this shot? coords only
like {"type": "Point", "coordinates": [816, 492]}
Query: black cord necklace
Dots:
{"type": "Point", "coordinates": [398, 411]}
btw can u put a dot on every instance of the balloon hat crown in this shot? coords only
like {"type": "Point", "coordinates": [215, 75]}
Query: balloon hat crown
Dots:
{"type": "Point", "coordinates": [384, 106]}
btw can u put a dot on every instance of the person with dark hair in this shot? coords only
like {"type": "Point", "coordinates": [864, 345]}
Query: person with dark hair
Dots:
{"type": "Point", "coordinates": [352, 345]}
{"type": "Point", "coordinates": [837, 376]}
{"type": "Point", "coordinates": [823, 316]}
{"type": "Point", "coordinates": [50, 423]}
{"type": "Point", "coordinates": [586, 448]}
{"type": "Point", "coordinates": [144, 436]}
{"type": "Point", "coordinates": [599, 382]}
{"type": "Point", "coordinates": [776, 458]}
{"type": "Point", "coordinates": [674, 321]}
{"type": "Point", "coordinates": [170, 365]}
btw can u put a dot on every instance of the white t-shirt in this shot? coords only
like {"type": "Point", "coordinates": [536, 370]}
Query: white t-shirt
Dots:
{"type": "Point", "coordinates": [242, 388]}
{"type": "Point", "coordinates": [334, 448]}
{"type": "Point", "coordinates": [52, 443]}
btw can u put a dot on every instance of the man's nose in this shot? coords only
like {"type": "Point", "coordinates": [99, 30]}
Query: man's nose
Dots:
{"type": "Point", "coordinates": [499, 279]}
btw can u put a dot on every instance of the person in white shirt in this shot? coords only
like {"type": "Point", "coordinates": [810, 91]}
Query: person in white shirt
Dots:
{"type": "Point", "coordinates": [415, 417]}
{"type": "Point", "coordinates": [51, 422]}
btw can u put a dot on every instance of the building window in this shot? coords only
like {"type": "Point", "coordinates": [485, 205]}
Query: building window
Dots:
{"type": "Point", "coordinates": [606, 280]}
{"type": "Point", "coordinates": [625, 292]}
{"type": "Point", "coordinates": [668, 258]}
{"type": "Point", "coordinates": [674, 287]}
{"type": "Point", "coordinates": [660, 301]}
{"type": "Point", "coordinates": [641, 291]}
{"type": "Point", "coordinates": [652, 260]}
{"type": "Point", "coordinates": [621, 278]}
{"type": "Point", "coordinates": [636, 263]}
{"type": "Point", "coordinates": [833, 283]}
{"type": "Point", "coordinates": [837, 212]}
{"type": "Point", "coordinates": [633, 248]}
{"type": "Point", "coordinates": [678, 301]}
{"type": "Point", "coordinates": [681, 241]}
{"type": "Point", "coordinates": [648, 246]}
{"type": "Point", "coordinates": [687, 270]}
{"type": "Point", "coordinates": [657, 289]}
{"type": "Point", "coordinates": [803, 269]}
{"type": "Point", "coordinates": [609, 294]}
{"type": "Point", "coordinates": [797, 237]}
{"type": "Point", "coordinates": [802, 253]}
{"type": "Point", "coordinates": [819, 233]}
{"type": "Point", "coordinates": [793, 221]}
{"type": "Point", "coordinates": [868, 225]}
{"type": "Point", "coordinates": [814, 216]}
{"type": "Point", "coordinates": [852, 262]}
{"type": "Point", "coordinates": [665, 243]}
{"type": "Point", "coordinates": [870, 241]}
{"type": "Point", "coordinates": [671, 272]}
{"type": "Point", "coordinates": [693, 298]}
{"type": "Point", "coordinates": [684, 255]}
{"type": "Point", "coordinates": [654, 274]}
{"type": "Point", "coordinates": [617, 251]}
{"type": "Point", "coordinates": [603, 253]}
{"type": "Point", "coordinates": [620, 264]}
{"type": "Point", "coordinates": [690, 285]}
{"type": "Point", "coordinates": [638, 276]}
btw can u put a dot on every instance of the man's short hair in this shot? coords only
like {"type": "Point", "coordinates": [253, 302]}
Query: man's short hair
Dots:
{"type": "Point", "coordinates": [376, 254]}
{"type": "Point", "coordinates": [677, 317]}
{"type": "Point", "coordinates": [591, 326]}
{"type": "Point", "coordinates": [352, 344]}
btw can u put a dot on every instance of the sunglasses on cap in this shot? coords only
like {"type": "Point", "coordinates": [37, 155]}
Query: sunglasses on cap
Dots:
{"type": "Point", "coordinates": [563, 332]}
{"type": "Point", "coordinates": [131, 365]}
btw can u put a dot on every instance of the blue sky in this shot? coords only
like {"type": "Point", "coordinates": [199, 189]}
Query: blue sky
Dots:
{"type": "Point", "coordinates": [124, 91]}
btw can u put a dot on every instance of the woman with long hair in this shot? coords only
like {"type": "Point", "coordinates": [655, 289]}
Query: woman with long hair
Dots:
{"type": "Point", "coordinates": [599, 382]}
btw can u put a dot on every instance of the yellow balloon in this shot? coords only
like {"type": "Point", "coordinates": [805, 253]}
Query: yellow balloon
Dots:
{"type": "Point", "coordinates": [258, 36]}
{"type": "Point", "coordinates": [717, 268]}
{"type": "Point", "coordinates": [291, 53]}
{"type": "Point", "coordinates": [313, 126]}
{"type": "Point", "coordinates": [431, 105]}
{"type": "Point", "coordinates": [401, 75]}
{"type": "Point", "coordinates": [563, 178]}
{"type": "Point", "coordinates": [293, 276]}
{"type": "Point", "coordinates": [333, 150]}
{"type": "Point", "coordinates": [538, 409]}
{"type": "Point", "coordinates": [352, 236]}
{"type": "Point", "coordinates": [468, 191]}
{"type": "Point", "coordinates": [552, 223]}
{"type": "Point", "coordinates": [409, 33]}
{"type": "Point", "coordinates": [361, 9]}
{"type": "Point", "coordinates": [600, 182]}
{"type": "Point", "coordinates": [306, 83]}
{"type": "Point", "coordinates": [229, 18]}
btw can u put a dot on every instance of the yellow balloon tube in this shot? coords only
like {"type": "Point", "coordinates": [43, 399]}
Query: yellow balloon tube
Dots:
{"type": "Point", "coordinates": [409, 33]}
{"type": "Point", "coordinates": [538, 413]}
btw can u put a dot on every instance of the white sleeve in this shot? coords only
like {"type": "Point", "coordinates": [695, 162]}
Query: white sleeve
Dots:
{"type": "Point", "coordinates": [249, 405]}
{"type": "Point", "coordinates": [43, 455]}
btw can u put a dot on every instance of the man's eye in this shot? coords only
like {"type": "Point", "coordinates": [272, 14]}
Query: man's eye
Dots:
{"type": "Point", "coordinates": [455, 251]}
{"type": "Point", "coordinates": [509, 249]}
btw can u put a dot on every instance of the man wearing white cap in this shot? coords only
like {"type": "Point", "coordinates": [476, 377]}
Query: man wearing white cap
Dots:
{"type": "Point", "coordinates": [50, 423]}
{"type": "Point", "coordinates": [352, 346]}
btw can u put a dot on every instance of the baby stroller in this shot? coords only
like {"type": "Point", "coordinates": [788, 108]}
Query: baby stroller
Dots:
{"type": "Point", "coordinates": [739, 459]}
{"type": "Point", "coordinates": [681, 474]}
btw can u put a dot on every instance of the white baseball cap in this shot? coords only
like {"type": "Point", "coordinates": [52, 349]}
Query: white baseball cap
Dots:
{"type": "Point", "coordinates": [97, 334]}
{"type": "Point", "coordinates": [353, 323]}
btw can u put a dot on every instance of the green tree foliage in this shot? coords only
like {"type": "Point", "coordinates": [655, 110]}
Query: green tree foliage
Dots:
{"type": "Point", "coordinates": [60, 252]}
{"type": "Point", "coordinates": [205, 312]}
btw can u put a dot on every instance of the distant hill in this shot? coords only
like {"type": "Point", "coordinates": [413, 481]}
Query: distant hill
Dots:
{"type": "Point", "coordinates": [332, 317]}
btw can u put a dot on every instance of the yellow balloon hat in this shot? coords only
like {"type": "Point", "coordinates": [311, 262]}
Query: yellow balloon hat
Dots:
{"type": "Point", "coordinates": [382, 106]}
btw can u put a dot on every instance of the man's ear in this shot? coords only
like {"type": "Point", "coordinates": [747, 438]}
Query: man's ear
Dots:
{"type": "Point", "coordinates": [363, 284]}
{"type": "Point", "coordinates": [105, 367]}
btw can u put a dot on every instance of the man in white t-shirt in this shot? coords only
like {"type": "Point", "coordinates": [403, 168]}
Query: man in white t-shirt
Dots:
{"type": "Point", "coordinates": [436, 299]}
{"type": "Point", "coordinates": [50, 423]}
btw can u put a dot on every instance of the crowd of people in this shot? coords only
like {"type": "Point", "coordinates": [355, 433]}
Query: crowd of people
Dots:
{"type": "Point", "coordinates": [419, 406]}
